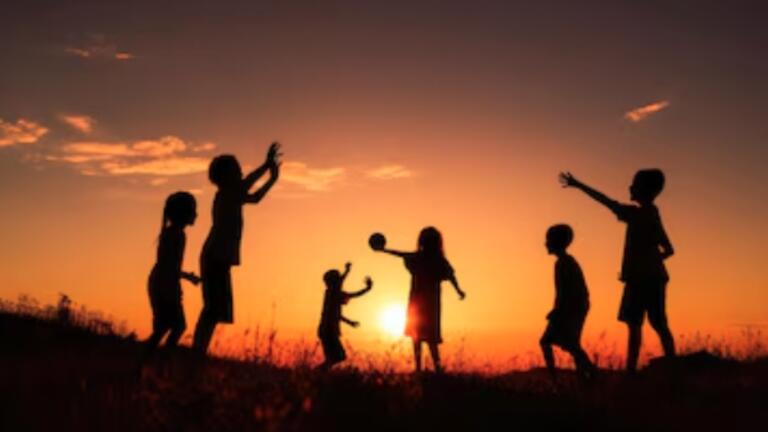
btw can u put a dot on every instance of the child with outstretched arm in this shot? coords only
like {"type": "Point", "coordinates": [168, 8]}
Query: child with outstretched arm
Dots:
{"type": "Point", "coordinates": [646, 247]}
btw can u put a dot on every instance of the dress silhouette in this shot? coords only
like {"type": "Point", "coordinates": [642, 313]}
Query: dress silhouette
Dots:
{"type": "Point", "coordinates": [428, 268]}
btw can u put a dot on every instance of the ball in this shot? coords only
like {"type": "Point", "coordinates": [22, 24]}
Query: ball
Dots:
{"type": "Point", "coordinates": [377, 241]}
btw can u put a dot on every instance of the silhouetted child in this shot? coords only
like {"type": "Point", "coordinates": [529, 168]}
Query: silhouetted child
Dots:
{"type": "Point", "coordinates": [429, 268]}
{"type": "Point", "coordinates": [165, 279]}
{"type": "Point", "coordinates": [646, 247]}
{"type": "Point", "coordinates": [329, 330]}
{"type": "Point", "coordinates": [566, 320]}
{"type": "Point", "coordinates": [221, 250]}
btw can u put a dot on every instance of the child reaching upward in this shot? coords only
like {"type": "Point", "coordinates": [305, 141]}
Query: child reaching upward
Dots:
{"type": "Point", "coordinates": [329, 330]}
{"type": "Point", "coordinates": [165, 279]}
{"type": "Point", "coordinates": [221, 250]}
{"type": "Point", "coordinates": [566, 320]}
{"type": "Point", "coordinates": [646, 247]}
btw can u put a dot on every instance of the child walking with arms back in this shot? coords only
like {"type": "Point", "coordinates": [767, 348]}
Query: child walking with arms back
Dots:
{"type": "Point", "coordinates": [566, 320]}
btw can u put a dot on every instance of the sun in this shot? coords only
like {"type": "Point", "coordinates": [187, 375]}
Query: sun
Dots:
{"type": "Point", "coordinates": [392, 320]}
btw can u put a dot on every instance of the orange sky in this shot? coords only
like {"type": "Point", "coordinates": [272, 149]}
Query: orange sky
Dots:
{"type": "Point", "coordinates": [392, 118]}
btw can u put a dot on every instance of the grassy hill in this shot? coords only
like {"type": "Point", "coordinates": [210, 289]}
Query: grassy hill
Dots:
{"type": "Point", "coordinates": [81, 376]}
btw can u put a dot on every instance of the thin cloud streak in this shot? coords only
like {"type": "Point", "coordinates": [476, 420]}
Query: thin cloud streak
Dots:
{"type": "Point", "coordinates": [97, 46]}
{"type": "Point", "coordinates": [22, 132]}
{"type": "Point", "coordinates": [641, 113]}
{"type": "Point", "coordinates": [389, 172]}
{"type": "Point", "coordinates": [81, 123]}
{"type": "Point", "coordinates": [311, 179]}
{"type": "Point", "coordinates": [165, 156]}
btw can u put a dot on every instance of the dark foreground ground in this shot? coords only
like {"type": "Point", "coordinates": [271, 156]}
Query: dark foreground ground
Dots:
{"type": "Point", "coordinates": [55, 377]}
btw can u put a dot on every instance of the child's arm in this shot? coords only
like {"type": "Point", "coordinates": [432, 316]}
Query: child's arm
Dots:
{"type": "Point", "coordinates": [256, 174]}
{"type": "Point", "coordinates": [190, 276]}
{"type": "Point", "coordinates": [455, 283]}
{"type": "Point", "coordinates": [666, 246]}
{"type": "Point", "coordinates": [568, 180]}
{"type": "Point", "coordinates": [368, 286]}
{"type": "Point", "coordinates": [347, 268]}
{"type": "Point", "coordinates": [350, 322]}
{"type": "Point", "coordinates": [395, 252]}
{"type": "Point", "coordinates": [274, 172]}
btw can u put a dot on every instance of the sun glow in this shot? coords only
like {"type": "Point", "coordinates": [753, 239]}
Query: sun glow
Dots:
{"type": "Point", "coordinates": [392, 320]}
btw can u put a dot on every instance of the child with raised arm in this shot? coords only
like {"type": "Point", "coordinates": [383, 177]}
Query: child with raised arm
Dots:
{"type": "Point", "coordinates": [429, 268]}
{"type": "Point", "coordinates": [221, 250]}
{"type": "Point", "coordinates": [329, 330]}
{"type": "Point", "coordinates": [566, 320]}
{"type": "Point", "coordinates": [165, 278]}
{"type": "Point", "coordinates": [643, 271]}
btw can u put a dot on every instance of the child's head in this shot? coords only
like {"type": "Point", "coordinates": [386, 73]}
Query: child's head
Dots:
{"type": "Point", "coordinates": [332, 279]}
{"type": "Point", "coordinates": [180, 210]}
{"type": "Point", "coordinates": [431, 241]}
{"type": "Point", "coordinates": [559, 237]}
{"type": "Point", "coordinates": [647, 185]}
{"type": "Point", "coordinates": [225, 171]}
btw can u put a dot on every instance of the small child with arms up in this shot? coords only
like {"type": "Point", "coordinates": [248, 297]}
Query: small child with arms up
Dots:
{"type": "Point", "coordinates": [566, 320]}
{"type": "Point", "coordinates": [329, 330]}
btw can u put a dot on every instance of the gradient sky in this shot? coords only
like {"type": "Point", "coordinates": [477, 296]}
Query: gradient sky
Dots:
{"type": "Point", "coordinates": [393, 116]}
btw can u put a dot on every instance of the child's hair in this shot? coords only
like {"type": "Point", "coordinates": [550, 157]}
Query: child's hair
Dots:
{"type": "Point", "coordinates": [179, 209]}
{"type": "Point", "coordinates": [221, 168]}
{"type": "Point", "coordinates": [560, 236]}
{"type": "Point", "coordinates": [332, 279]}
{"type": "Point", "coordinates": [648, 183]}
{"type": "Point", "coordinates": [431, 241]}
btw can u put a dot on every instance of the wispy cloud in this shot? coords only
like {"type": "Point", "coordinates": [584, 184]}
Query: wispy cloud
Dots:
{"type": "Point", "coordinates": [641, 113]}
{"type": "Point", "coordinates": [98, 47]}
{"type": "Point", "coordinates": [170, 166]}
{"type": "Point", "coordinates": [389, 172]}
{"type": "Point", "coordinates": [165, 156]}
{"type": "Point", "coordinates": [81, 123]}
{"type": "Point", "coordinates": [23, 131]}
{"type": "Point", "coordinates": [208, 146]}
{"type": "Point", "coordinates": [311, 179]}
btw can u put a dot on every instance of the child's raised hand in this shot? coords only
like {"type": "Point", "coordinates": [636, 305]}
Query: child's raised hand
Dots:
{"type": "Point", "coordinates": [273, 155]}
{"type": "Point", "coordinates": [368, 282]}
{"type": "Point", "coordinates": [347, 266]}
{"type": "Point", "coordinates": [567, 179]}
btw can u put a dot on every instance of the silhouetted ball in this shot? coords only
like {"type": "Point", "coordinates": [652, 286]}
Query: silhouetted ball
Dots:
{"type": "Point", "coordinates": [377, 241]}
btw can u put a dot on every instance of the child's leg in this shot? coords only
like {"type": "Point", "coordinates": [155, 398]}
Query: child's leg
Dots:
{"type": "Point", "coordinates": [157, 335]}
{"type": "Point", "coordinates": [204, 331]}
{"type": "Point", "coordinates": [581, 359]}
{"type": "Point", "coordinates": [176, 333]}
{"type": "Point", "coordinates": [417, 354]}
{"type": "Point", "coordinates": [549, 355]}
{"type": "Point", "coordinates": [667, 340]}
{"type": "Point", "coordinates": [657, 316]}
{"type": "Point", "coordinates": [178, 326]}
{"type": "Point", "coordinates": [633, 348]}
{"type": "Point", "coordinates": [434, 351]}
